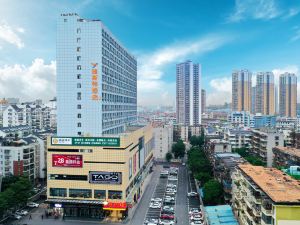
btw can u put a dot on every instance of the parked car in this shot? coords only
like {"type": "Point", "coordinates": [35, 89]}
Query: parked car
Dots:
{"type": "Point", "coordinates": [166, 222]}
{"type": "Point", "coordinates": [168, 197]}
{"type": "Point", "coordinates": [32, 205]}
{"type": "Point", "coordinates": [197, 222]}
{"type": "Point", "coordinates": [167, 217]}
{"type": "Point", "coordinates": [22, 212]}
{"type": "Point", "coordinates": [196, 217]}
{"type": "Point", "coordinates": [16, 216]}
{"type": "Point", "coordinates": [192, 194]}
{"type": "Point", "coordinates": [155, 205]}
{"type": "Point", "coordinates": [156, 199]}
{"type": "Point", "coordinates": [168, 212]}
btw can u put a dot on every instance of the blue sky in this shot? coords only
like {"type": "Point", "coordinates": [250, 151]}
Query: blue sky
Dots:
{"type": "Point", "coordinates": [222, 35]}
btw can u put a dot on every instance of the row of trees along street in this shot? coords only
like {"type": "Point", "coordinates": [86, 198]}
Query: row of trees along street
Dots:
{"type": "Point", "coordinates": [14, 194]}
{"type": "Point", "coordinates": [200, 166]}
{"type": "Point", "coordinates": [178, 151]}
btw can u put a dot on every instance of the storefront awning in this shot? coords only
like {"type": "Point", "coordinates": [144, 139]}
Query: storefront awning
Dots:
{"type": "Point", "coordinates": [75, 201]}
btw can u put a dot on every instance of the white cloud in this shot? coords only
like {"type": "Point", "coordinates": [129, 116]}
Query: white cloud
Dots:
{"type": "Point", "coordinates": [221, 91]}
{"type": "Point", "coordinates": [10, 35]}
{"type": "Point", "coordinates": [296, 36]}
{"type": "Point", "coordinates": [292, 12]}
{"type": "Point", "coordinates": [28, 83]}
{"type": "Point", "coordinates": [254, 9]}
{"type": "Point", "coordinates": [152, 65]}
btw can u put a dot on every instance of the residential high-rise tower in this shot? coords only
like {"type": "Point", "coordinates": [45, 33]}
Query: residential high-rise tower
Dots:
{"type": "Point", "coordinates": [96, 79]}
{"type": "Point", "coordinates": [241, 90]}
{"type": "Point", "coordinates": [288, 95]}
{"type": "Point", "coordinates": [203, 101]}
{"type": "Point", "coordinates": [265, 93]}
{"type": "Point", "coordinates": [188, 93]}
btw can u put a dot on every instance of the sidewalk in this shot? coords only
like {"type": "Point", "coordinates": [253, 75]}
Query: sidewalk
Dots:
{"type": "Point", "coordinates": [132, 211]}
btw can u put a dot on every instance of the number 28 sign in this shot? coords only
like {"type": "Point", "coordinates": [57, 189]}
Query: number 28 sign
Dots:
{"type": "Point", "coordinates": [66, 160]}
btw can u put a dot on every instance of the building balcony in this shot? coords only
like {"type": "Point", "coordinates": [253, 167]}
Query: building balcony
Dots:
{"type": "Point", "coordinates": [257, 199]}
{"type": "Point", "coordinates": [267, 210]}
{"type": "Point", "coordinates": [264, 223]}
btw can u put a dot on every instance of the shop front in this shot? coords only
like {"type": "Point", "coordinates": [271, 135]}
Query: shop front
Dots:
{"type": "Point", "coordinates": [92, 210]}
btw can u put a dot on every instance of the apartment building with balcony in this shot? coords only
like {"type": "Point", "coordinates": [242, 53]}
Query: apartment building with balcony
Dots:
{"type": "Point", "coordinates": [263, 141]}
{"type": "Point", "coordinates": [238, 138]}
{"type": "Point", "coordinates": [223, 166]}
{"type": "Point", "coordinates": [25, 156]}
{"type": "Point", "coordinates": [286, 157]}
{"type": "Point", "coordinates": [265, 196]}
{"type": "Point", "coordinates": [36, 116]}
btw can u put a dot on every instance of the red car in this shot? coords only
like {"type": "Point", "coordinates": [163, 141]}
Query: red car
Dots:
{"type": "Point", "coordinates": [167, 217]}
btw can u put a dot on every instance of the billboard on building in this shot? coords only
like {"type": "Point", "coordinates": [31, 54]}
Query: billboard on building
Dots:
{"type": "Point", "coordinates": [86, 141]}
{"type": "Point", "coordinates": [101, 177]}
{"type": "Point", "coordinates": [59, 160]}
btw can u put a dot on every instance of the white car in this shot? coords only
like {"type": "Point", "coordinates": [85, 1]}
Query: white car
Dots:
{"type": "Point", "coordinates": [168, 208]}
{"type": "Point", "coordinates": [22, 212]}
{"type": "Point", "coordinates": [183, 164]}
{"type": "Point", "coordinates": [167, 197]}
{"type": "Point", "coordinates": [16, 216]}
{"type": "Point", "coordinates": [171, 186]}
{"type": "Point", "coordinates": [32, 205]}
{"type": "Point", "coordinates": [194, 210]}
{"type": "Point", "coordinates": [197, 222]}
{"type": "Point", "coordinates": [156, 199]}
{"type": "Point", "coordinates": [172, 178]}
{"type": "Point", "coordinates": [166, 222]}
{"type": "Point", "coordinates": [192, 194]}
{"type": "Point", "coordinates": [196, 217]}
{"type": "Point", "coordinates": [155, 205]}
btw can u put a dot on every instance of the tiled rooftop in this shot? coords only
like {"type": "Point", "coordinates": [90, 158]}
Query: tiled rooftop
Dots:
{"type": "Point", "coordinates": [290, 151]}
{"type": "Point", "coordinates": [280, 187]}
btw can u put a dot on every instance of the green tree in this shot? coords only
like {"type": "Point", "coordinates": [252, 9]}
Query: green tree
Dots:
{"type": "Point", "coordinates": [203, 177]}
{"type": "Point", "coordinates": [194, 140]}
{"type": "Point", "coordinates": [178, 149]}
{"type": "Point", "coordinates": [213, 193]}
{"type": "Point", "coordinates": [169, 156]}
{"type": "Point", "coordinates": [242, 152]}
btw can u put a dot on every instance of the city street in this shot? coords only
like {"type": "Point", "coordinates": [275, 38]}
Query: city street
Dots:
{"type": "Point", "coordinates": [154, 189]}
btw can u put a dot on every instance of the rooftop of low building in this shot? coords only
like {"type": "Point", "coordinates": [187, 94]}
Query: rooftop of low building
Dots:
{"type": "Point", "coordinates": [280, 187]}
{"type": "Point", "coordinates": [289, 150]}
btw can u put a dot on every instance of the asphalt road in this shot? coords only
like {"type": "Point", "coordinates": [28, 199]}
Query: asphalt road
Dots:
{"type": "Point", "coordinates": [181, 212]}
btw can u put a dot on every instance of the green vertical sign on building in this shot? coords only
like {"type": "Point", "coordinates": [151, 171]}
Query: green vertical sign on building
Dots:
{"type": "Point", "coordinates": [86, 141]}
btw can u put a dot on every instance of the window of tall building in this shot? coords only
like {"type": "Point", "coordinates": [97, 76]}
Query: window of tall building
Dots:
{"type": "Point", "coordinates": [78, 124]}
{"type": "Point", "coordinates": [78, 49]}
{"type": "Point", "coordinates": [79, 115]}
{"type": "Point", "coordinates": [78, 85]}
{"type": "Point", "coordinates": [78, 30]}
{"type": "Point", "coordinates": [78, 40]}
{"type": "Point", "coordinates": [78, 58]}
{"type": "Point", "coordinates": [78, 106]}
{"type": "Point", "coordinates": [100, 194]}
{"type": "Point", "coordinates": [78, 76]}
{"type": "Point", "coordinates": [60, 192]}
{"type": "Point", "coordinates": [78, 95]}
{"type": "Point", "coordinates": [80, 193]}
{"type": "Point", "coordinates": [78, 67]}
{"type": "Point", "coordinates": [115, 194]}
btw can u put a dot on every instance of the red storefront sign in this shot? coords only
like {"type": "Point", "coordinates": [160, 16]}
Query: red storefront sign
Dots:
{"type": "Point", "coordinates": [66, 160]}
{"type": "Point", "coordinates": [115, 206]}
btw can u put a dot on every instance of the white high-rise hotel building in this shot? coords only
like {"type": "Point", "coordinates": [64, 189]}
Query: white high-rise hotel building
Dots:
{"type": "Point", "coordinates": [188, 93]}
{"type": "Point", "coordinates": [96, 79]}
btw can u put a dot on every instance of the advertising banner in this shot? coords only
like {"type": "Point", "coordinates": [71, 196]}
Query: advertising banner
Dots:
{"type": "Point", "coordinates": [86, 141]}
{"type": "Point", "coordinates": [59, 160]}
{"type": "Point", "coordinates": [105, 177]}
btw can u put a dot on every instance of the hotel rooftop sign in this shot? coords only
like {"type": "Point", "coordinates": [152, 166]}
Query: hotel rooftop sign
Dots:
{"type": "Point", "coordinates": [86, 141]}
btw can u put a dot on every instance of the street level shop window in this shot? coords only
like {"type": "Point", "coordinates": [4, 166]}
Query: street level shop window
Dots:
{"type": "Point", "coordinates": [80, 193]}
{"type": "Point", "coordinates": [100, 194]}
{"type": "Point", "coordinates": [59, 192]}
{"type": "Point", "coordinates": [115, 194]}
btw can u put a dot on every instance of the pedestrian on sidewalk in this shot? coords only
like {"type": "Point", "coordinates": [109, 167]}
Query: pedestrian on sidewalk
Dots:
{"type": "Point", "coordinates": [42, 217]}
{"type": "Point", "coordinates": [30, 217]}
